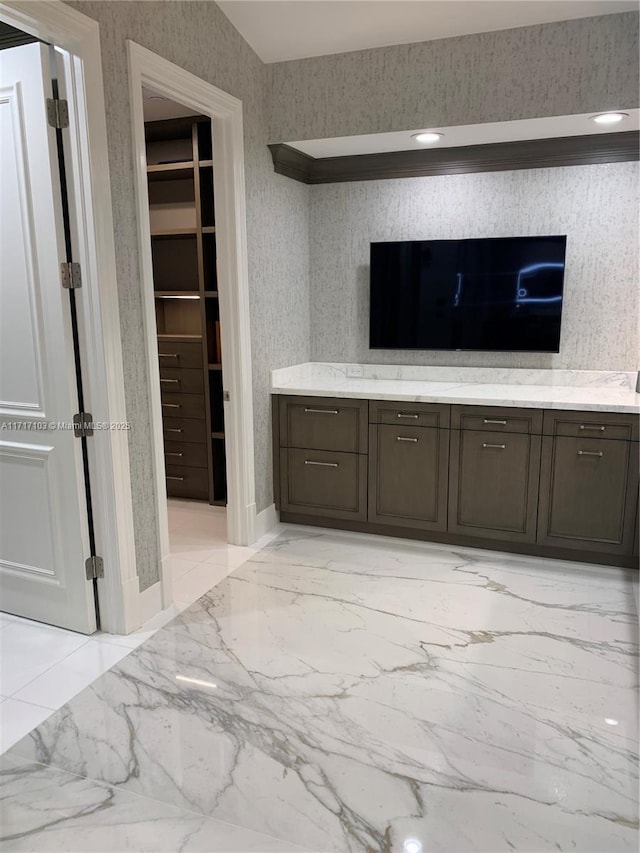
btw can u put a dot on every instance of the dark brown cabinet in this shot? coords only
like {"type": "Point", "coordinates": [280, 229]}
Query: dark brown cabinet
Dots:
{"type": "Point", "coordinates": [408, 473]}
{"type": "Point", "coordinates": [553, 483]}
{"type": "Point", "coordinates": [322, 450]}
{"type": "Point", "coordinates": [589, 483]}
{"type": "Point", "coordinates": [494, 484]}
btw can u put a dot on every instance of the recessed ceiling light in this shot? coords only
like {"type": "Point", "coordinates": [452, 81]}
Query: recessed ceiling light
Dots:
{"type": "Point", "coordinates": [427, 137]}
{"type": "Point", "coordinates": [412, 845]}
{"type": "Point", "coordinates": [610, 721]}
{"type": "Point", "coordinates": [609, 118]}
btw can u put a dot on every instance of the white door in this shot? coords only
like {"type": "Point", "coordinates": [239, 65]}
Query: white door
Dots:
{"type": "Point", "coordinates": [43, 516]}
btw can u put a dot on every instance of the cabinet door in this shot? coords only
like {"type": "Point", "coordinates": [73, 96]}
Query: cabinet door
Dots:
{"type": "Point", "coordinates": [494, 484]}
{"type": "Point", "coordinates": [408, 476]}
{"type": "Point", "coordinates": [588, 493]}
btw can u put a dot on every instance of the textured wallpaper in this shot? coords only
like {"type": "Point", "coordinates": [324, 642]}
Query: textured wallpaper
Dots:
{"type": "Point", "coordinates": [198, 37]}
{"type": "Point", "coordinates": [595, 206]}
{"type": "Point", "coordinates": [586, 65]}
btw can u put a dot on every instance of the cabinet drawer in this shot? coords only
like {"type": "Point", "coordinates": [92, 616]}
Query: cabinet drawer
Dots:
{"type": "Point", "coordinates": [319, 423]}
{"type": "Point", "coordinates": [318, 482]}
{"type": "Point", "coordinates": [409, 414]}
{"type": "Point", "coordinates": [184, 429]}
{"type": "Point", "coordinates": [185, 380]}
{"type": "Point", "coordinates": [185, 453]}
{"type": "Point", "coordinates": [588, 493]}
{"type": "Point", "coordinates": [591, 425]}
{"type": "Point", "coordinates": [180, 353]}
{"type": "Point", "coordinates": [493, 419]}
{"type": "Point", "coordinates": [408, 475]}
{"type": "Point", "coordinates": [493, 487]}
{"type": "Point", "coordinates": [183, 405]}
{"type": "Point", "coordinates": [184, 482]}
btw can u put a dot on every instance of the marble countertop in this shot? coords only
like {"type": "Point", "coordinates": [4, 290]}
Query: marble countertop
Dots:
{"type": "Point", "coordinates": [589, 391]}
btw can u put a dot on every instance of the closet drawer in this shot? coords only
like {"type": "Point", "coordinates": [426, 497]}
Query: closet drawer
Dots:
{"type": "Point", "coordinates": [184, 429]}
{"type": "Point", "coordinates": [494, 419]}
{"type": "Point", "coordinates": [184, 453]}
{"type": "Point", "coordinates": [184, 482]}
{"type": "Point", "coordinates": [323, 483]}
{"type": "Point", "coordinates": [185, 380]}
{"type": "Point", "coordinates": [409, 414]}
{"type": "Point", "coordinates": [180, 353]}
{"type": "Point", "coordinates": [183, 405]}
{"type": "Point", "coordinates": [322, 423]}
{"type": "Point", "coordinates": [591, 425]}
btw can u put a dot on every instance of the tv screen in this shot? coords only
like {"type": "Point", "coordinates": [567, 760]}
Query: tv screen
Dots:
{"type": "Point", "coordinates": [501, 294]}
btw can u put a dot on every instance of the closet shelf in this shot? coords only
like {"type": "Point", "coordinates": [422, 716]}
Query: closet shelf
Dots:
{"type": "Point", "coordinates": [217, 435]}
{"type": "Point", "coordinates": [164, 337]}
{"type": "Point", "coordinates": [167, 294]}
{"type": "Point", "coordinates": [217, 366]}
{"type": "Point", "coordinates": [174, 232]}
{"type": "Point", "coordinates": [209, 229]}
{"type": "Point", "coordinates": [211, 293]}
{"type": "Point", "coordinates": [169, 171]}
{"type": "Point", "coordinates": [206, 163]}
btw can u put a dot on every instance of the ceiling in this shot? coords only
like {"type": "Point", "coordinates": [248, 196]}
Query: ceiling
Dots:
{"type": "Point", "coordinates": [465, 134]}
{"type": "Point", "coordinates": [279, 30]}
{"type": "Point", "coordinates": [156, 107]}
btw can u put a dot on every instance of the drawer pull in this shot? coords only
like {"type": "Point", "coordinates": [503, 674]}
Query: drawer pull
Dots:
{"type": "Point", "coordinates": [172, 429]}
{"type": "Point", "coordinates": [590, 453]}
{"type": "Point", "coordinates": [171, 381]}
{"type": "Point", "coordinates": [492, 421]}
{"type": "Point", "coordinates": [494, 446]}
{"type": "Point", "coordinates": [322, 411]}
{"type": "Point", "coordinates": [403, 438]}
{"type": "Point", "coordinates": [168, 477]}
{"type": "Point", "coordinates": [408, 415]}
{"type": "Point", "coordinates": [173, 454]}
{"type": "Point", "coordinates": [169, 355]}
{"type": "Point", "coordinates": [172, 405]}
{"type": "Point", "coordinates": [594, 426]}
{"type": "Point", "coordinates": [321, 464]}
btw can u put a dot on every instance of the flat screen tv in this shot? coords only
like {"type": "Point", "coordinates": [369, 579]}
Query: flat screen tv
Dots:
{"type": "Point", "coordinates": [501, 294]}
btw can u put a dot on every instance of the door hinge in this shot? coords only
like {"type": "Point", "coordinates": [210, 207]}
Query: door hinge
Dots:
{"type": "Point", "coordinates": [94, 567]}
{"type": "Point", "coordinates": [226, 396]}
{"type": "Point", "coordinates": [71, 276]}
{"type": "Point", "coordinates": [83, 424]}
{"type": "Point", "coordinates": [57, 113]}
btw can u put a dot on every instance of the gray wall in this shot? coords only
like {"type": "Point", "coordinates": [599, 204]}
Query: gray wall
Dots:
{"type": "Point", "coordinates": [199, 38]}
{"type": "Point", "coordinates": [595, 206]}
{"type": "Point", "coordinates": [587, 65]}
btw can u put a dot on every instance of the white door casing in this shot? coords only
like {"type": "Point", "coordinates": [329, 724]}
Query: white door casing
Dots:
{"type": "Point", "coordinates": [43, 516]}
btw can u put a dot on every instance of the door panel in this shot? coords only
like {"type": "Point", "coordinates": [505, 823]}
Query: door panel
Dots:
{"type": "Point", "coordinates": [408, 475]}
{"type": "Point", "coordinates": [494, 484]}
{"type": "Point", "coordinates": [588, 493]}
{"type": "Point", "coordinates": [43, 516]}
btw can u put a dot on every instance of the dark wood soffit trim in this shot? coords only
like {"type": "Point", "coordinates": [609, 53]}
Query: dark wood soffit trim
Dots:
{"type": "Point", "coordinates": [496, 157]}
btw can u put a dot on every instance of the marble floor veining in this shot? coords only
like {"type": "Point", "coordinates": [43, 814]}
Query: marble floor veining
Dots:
{"type": "Point", "coordinates": [340, 692]}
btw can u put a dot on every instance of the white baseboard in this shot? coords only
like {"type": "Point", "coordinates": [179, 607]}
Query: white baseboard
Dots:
{"type": "Point", "coordinates": [265, 520]}
{"type": "Point", "coordinates": [150, 602]}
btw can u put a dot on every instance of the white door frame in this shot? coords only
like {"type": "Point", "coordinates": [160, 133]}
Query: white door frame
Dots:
{"type": "Point", "coordinates": [149, 69]}
{"type": "Point", "coordinates": [90, 199]}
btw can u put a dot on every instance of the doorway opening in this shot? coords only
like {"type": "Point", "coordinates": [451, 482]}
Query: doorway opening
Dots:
{"type": "Point", "coordinates": [189, 159]}
{"type": "Point", "coordinates": [181, 179]}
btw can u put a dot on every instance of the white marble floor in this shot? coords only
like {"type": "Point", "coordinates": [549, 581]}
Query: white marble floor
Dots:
{"type": "Point", "coordinates": [340, 692]}
{"type": "Point", "coordinates": [42, 667]}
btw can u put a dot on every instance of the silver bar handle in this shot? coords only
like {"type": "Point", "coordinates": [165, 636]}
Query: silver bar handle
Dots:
{"type": "Point", "coordinates": [168, 477]}
{"type": "Point", "coordinates": [494, 446]}
{"type": "Point", "coordinates": [322, 411]}
{"type": "Point", "coordinates": [173, 454]}
{"type": "Point", "coordinates": [492, 421]}
{"type": "Point", "coordinates": [408, 415]}
{"type": "Point", "coordinates": [171, 381]}
{"type": "Point", "coordinates": [403, 438]}
{"type": "Point", "coordinates": [171, 429]}
{"type": "Point", "coordinates": [172, 405]}
{"type": "Point", "coordinates": [321, 464]}
{"type": "Point", "coordinates": [593, 426]}
{"type": "Point", "coordinates": [590, 453]}
{"type": "Point", "coordinates": [169, 355]}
